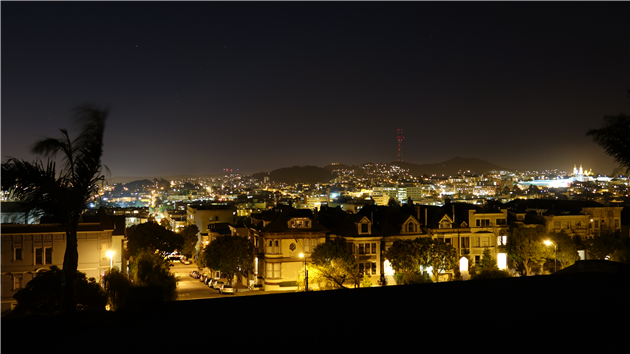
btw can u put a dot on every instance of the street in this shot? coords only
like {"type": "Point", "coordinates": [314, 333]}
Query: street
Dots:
{"type": "Point", "coordinates": [189, 288]}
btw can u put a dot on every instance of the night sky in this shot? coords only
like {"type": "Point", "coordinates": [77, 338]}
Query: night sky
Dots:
{"type": "Point", "coordinates": [201, 86]}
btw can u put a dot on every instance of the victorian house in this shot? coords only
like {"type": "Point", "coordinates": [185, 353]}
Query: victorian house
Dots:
{"type": "Point", "coordinates": [284, 238]}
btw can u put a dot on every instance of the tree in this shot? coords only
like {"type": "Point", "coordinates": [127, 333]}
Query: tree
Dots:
{"type": "Point", "coordinates": [335, 263]}
{"type": "Point", "coordinates": [488, 268]}
{"type": "Point", "coordinates": [403, 255]}
{"type": "Point", "coordinates": [232, 255]}
{"type": "Point", "coordinates": [152, 236]}
{"type": "Point", "coordinates": [614, 137]}
{"type": "Point", "coordinates": [117, 287]}
{"type": "Point", "coordinates": [66, 195]}
{"type": "Point", "coordinates": [408, 256]}
{"type": "Point", "coordinates": [602, 246]}
{"type": "Point", "coordinates": [164, 223]}
{"type": "Point", "coordinates": [151, 269]}
{"type": "Point", "coordinates": [43, 294]}
{"type": "Point", "coordinates": [525, 246]}
{"type": "Point", "coordinates": [443, 257]}
{"type": "Point", "coordinates": [189, 233]}
{"type": "Point", "coordinates": [567, 253]}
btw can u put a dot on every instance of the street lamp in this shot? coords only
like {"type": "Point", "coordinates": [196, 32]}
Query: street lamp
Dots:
{"type": "Point", "coordinates": [305, 272]}
{"type": "Point", "coordinates": [555, 262]}
{"type": "Point", "coordinates": [110, 255]}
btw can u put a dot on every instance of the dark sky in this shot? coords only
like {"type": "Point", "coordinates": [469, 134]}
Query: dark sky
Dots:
{"type": "Point", "coordinates": [200, 86]}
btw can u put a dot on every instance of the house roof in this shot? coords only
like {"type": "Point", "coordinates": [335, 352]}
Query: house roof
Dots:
{"type": "Point", "coordinates": [279, 217]}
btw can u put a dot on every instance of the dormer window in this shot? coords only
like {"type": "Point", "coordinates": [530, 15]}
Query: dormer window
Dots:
{"type": "Point", "coordinates": [300, 223]}
{"type": "Point", "coordinates": [445, 224]}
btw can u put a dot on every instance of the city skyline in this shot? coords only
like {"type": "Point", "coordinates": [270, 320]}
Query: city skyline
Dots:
{"type": "Point", "coordinates": [198, 87]}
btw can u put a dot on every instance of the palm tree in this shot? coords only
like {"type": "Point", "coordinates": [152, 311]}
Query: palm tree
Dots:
{"type": "Point", "coordinates": [63, 196]}
{"type": "Point", "coordinates": [614, 137]}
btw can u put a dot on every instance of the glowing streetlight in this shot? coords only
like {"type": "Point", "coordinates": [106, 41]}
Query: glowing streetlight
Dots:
{"type": "Point", "coordinates": [110, 255]}
{"type": "Point", "coordinates": [305, 272]}
{"type": "Point", "coordinates": [555, 262]}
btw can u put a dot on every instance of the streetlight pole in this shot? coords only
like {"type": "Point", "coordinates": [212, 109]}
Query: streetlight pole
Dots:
{"type": "Point", "coordinates": [555, 261]}
{"type": "Point", "coordinates": [302, 255]}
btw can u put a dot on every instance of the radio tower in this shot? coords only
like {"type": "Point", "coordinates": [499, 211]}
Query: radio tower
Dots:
{"type": "Point", "coordinates": [400, 138]}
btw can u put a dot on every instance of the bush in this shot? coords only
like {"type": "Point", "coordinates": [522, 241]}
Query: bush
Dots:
{"type": "Point", "coordinates": [366, 282]}
{"type": "Point", "coordinates": [43, 294]}
{"type": "Point", "coordinates": [491, 274]}
{"type": "Point", "coordinates": [285, 284]}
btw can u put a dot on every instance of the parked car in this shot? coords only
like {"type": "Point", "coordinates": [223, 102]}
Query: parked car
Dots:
{"type": "Point", "coordinates": [211, 283]}
{"type": "Point", "coordinates": [217, 284]}
{"type": "Point", "coordinates": [203, 277]}
{"type": "Point", "coordinates": [207, 280]}
{"type": "Point", "coordinates": [227, 289]}
{"type": "Point", "coordinates": [185, 260]}
{"type": "Point", "coordinates": [195, 274]}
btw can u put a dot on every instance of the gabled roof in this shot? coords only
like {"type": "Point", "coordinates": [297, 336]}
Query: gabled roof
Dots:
{"type": "Point", "coordinates": [279, 217]}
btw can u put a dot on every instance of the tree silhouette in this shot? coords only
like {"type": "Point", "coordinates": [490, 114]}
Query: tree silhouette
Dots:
{"type": "Point", "coordinates": [614, 137]}
{"type": "Point", "coordinates": [65, 196]}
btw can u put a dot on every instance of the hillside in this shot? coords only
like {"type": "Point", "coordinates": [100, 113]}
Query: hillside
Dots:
{"type": "Point", "coordinates": [297, 174]}
{"type": "Point", "coordinates": [450, 167]}
{"type": "Point", "coordinates": [314, 174]}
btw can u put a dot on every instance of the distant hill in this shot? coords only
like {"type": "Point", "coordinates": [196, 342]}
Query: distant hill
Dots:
{"type": "Point", "coordinates": [297, 174]}
{"type": "Point", "coordinates": [450, 167]}
{"type": "Point", "coordinates": [314, 174]}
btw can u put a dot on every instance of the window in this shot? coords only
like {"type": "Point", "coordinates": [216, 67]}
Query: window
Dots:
{"type": "Point", "coordinates": [365, 228]}
{"type": "Point", "coordinates": [502, 222]}
{"type": "Point", "coordinates": [484, 241]}
{"type": "Point", "coordinates": [477, 259]}
{"type": "Point", "coordinates": [501, 240]}
{"type": "Point", "coordinates": [556, 224]}
{"type": "Point", "coordinates": [373, 247]}
{"type": "Point", "coordinates": [39, 256]}
{"type": "Point", "coordinates": [465, 242]}
{"type": "Point", "coordinates": [476, 240]}
{"type": "Point", "coordinates": [411, 227]}
{"type": "Point", "coordinates": [273, 246]}
{"type": "Point", "coordinates": [373, 268]}
{"type": "Point", "coordinates": [48, 255]}
{"type": "Point", "coordinates": [17, 253]}
{"type": "Point", "coordinates": [299, 223]}
{"type": "Point", "coordinates": [447, 240]}
{"type": "Point", "coordinates": [483, 222]}
{"type": "Point", "coordinates": [17, 281]}
{"type": "Point", "coordinates": [104, 247]}
{"type": "Point", "coordinates": [616, 223]}
{"type": "Point", "coordinates": [445, 224]}
{"type": "Point", "coordinates": [361, 269]}
{"type": "Point", "coordinates": [309, 245]}
{"type": "Point", "coordinates": [361, 248]}
{"type": "Point", "coordinates": [273, 270]}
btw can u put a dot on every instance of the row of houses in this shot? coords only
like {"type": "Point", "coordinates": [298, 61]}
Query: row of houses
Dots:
{"type": "Point", "coordinates": [281, 234]}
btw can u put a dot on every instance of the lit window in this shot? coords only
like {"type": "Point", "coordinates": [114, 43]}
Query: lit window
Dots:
{"type": "Point", "coordinates": [17, 281]}
{"type": "Point", "coordinates": [273, 270]}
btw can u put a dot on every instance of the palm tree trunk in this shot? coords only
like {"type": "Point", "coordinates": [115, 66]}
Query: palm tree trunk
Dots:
{"type": "Point", "coordinates": [70, 265]}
